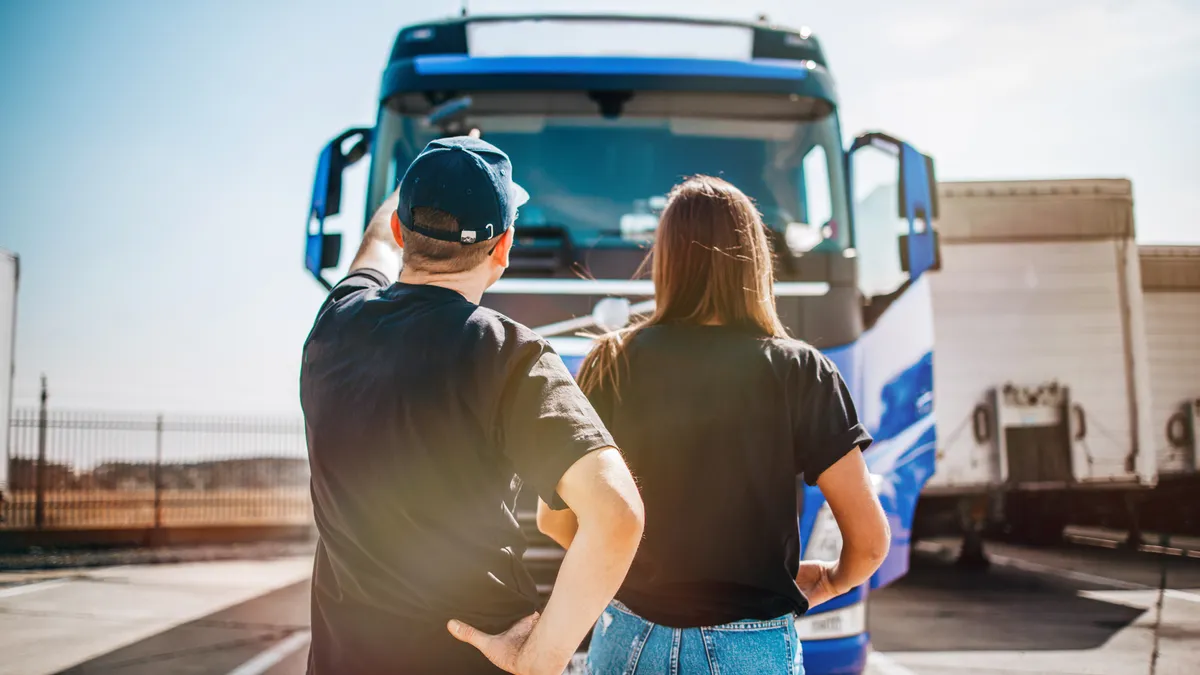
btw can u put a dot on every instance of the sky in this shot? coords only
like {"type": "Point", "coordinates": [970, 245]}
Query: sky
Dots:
{"type": "Point", "coordinates": [157, 157]}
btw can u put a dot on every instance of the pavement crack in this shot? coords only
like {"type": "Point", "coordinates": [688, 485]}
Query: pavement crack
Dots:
{"type": "Point", "coordinates": [200, 623]}
{"type": "Point", "coordinates": [1158, 608]}
{"type": "Point", "coordinates": [221, 646]}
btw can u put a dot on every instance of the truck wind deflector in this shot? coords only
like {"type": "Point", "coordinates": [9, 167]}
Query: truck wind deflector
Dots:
{"type": "Point", "coordinates": [632, 287]}
{"type": "Point", "coordinates": [451, 116]}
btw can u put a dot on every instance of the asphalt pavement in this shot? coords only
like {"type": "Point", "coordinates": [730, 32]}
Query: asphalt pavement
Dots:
{"type": "Point", "coordinates": [1073, 609]}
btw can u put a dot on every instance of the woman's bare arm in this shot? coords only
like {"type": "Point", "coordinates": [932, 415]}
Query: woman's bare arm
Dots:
{"type": "Point", "coordinates": [866, 537]}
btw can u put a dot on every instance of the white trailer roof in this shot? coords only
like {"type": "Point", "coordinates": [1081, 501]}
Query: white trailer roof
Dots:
{"type": "Point", "coordinates": [1170, 268]}
{"type": "Point", "coordinates": [1044, 210]}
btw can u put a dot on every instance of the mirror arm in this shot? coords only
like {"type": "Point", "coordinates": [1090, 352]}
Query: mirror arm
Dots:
{"type": "Point", "coordinates": [885, 142]}
{"type": "Point", "coordinates": [360, 150]}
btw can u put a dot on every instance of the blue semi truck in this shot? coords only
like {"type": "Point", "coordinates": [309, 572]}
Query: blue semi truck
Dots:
{"type": "Point", "coordinates": [601, 116]}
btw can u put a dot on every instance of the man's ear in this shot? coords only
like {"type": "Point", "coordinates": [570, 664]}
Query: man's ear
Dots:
{"type": "Point", "coordinates": [503, 247]}
{"type": "Point", "coordinates": [397, 230]}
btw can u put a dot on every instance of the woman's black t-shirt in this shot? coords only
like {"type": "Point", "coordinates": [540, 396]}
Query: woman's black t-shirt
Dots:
{"type": "Point", "coordinates": [716, 424]}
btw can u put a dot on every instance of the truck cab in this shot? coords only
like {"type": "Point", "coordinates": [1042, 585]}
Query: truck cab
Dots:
{"type": "Point", "coordinates": [601, 116]}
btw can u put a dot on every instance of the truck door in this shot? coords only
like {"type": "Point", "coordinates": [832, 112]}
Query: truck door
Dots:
{"type": "Point", "coordinates": [894, 204]}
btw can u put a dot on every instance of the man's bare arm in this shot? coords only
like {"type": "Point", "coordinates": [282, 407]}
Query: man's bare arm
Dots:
{"type": "Point", "coordinates": [560, 525]}
{"type": "Point", "coordinates": [379, 250]}
{"type": "Point", "coordinates": [599, 489]}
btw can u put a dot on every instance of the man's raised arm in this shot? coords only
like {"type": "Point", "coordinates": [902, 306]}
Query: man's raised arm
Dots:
{"type": "Point", "coordinates": [379, 249]}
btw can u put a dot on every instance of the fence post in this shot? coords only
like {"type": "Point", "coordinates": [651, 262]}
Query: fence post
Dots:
{"type": "Point", "coordinates": [39, 476]}
{"type": "Point", "coordinates": [158, 450]}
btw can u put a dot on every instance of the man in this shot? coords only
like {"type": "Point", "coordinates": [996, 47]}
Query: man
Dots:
{"type": "Point", "coordinates": [425, 414]}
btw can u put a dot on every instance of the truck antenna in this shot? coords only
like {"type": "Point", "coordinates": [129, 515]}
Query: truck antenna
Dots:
{"type": "Point", "coordinates": [464, 8]}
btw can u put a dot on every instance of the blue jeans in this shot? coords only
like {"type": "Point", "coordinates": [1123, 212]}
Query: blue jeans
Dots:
{"type": "Point", "coordinates": [624, 643]}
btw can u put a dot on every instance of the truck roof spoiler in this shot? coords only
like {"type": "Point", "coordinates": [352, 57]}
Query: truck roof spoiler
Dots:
{"type": "Point", "coordinates": [631, 287]}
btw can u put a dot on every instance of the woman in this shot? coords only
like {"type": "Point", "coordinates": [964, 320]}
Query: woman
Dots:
{"type": "Point", "coordinates": [717, 412]}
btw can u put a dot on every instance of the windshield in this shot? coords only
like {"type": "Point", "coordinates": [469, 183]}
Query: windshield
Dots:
{"type": "Point", "coordinates": [605, 180]}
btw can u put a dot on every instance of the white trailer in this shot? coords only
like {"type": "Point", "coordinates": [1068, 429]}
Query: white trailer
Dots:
{"type": "Point", "coordinates": [1171, 288]}
{"type": "Point", "coordinates": [1043, 371]}
{"type": "Point", "coordinates": [9, 275]}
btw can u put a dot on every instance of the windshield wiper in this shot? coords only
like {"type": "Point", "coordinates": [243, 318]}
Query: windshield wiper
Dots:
{"type": "Point", "coordinates": [450, 116]}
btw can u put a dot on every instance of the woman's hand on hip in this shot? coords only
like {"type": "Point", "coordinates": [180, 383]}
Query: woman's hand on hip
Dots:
{"type": "Point", "coordinates": [814, 581]}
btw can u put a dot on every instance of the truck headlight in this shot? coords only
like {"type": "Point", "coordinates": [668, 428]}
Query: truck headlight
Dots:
{"type": "Point", "coordinates": [801, 238]}
{"type": "Point", "coordinates": [612, 313]}
{"type": "Point", "coordinates": [839, 623]}
{"type": "Point", "coordinates": [825, 541]}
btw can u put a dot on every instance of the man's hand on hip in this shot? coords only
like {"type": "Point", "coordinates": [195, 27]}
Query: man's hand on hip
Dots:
{"type": "Point", "coordinates": [506, 650]}
{"type": "Point", "coordinates": [600, 490]}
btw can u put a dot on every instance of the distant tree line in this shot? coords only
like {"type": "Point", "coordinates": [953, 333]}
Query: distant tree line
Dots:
{"type": "Point", "coordinates": [245, 473]}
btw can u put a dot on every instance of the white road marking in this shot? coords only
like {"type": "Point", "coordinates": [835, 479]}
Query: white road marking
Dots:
{"type": "Point", "coordinates": [30, 588]}
{"type": "Point", "coordinates": [879, 663]}
{"type": "Point", "coordinates": [1089, 578]}
{"type": "Point", "coordinates": [1143, 600]}
{"type": "Point", "coordinates": [1073, 575]}
{"type": "Point", "coordinates": [1083, 577]}
{"type": "Point", "coordinates": [71, 622]}
{"type": "Point", "coordinates": [1182, 595]}
{"type": "Point", "coordinates": [277, 652]}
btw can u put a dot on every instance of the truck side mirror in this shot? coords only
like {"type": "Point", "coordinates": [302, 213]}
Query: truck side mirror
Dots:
{"type": "Point", "coordinates": [323, 250]}
{"type": "Point", "coordinates": [918, 203]}
{"type": "Point", "coordinates": [331, 249]}
{"type": "Point", "coordinates": [937, 253]}
{"type": "Point", "coordinates": [916, 200]}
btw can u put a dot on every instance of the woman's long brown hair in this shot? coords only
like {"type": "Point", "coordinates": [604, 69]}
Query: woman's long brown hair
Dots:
{"type": "Point", "coordinates": [711, 265]}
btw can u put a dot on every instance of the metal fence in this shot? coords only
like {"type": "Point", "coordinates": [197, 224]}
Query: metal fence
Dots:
{"type": "Point", "coordinates": [80, 470]}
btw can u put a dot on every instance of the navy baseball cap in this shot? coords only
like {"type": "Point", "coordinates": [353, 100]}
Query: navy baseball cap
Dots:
{"type": "Point", "coordinates": [468, 178]}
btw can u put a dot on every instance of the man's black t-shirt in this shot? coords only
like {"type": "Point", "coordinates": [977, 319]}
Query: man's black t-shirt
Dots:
{"type": "Point", "coordinates": [421, 410]}
{"type": "Point", "coordinates": [716, 423]}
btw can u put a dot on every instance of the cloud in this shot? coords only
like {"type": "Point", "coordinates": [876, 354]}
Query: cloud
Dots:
{"type": "Point", "coordinates": [1006, 47]}
{"type": "Point", "coordinates": [963, 68]}
{"type": "Point", "coordinates": [927, 32]}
